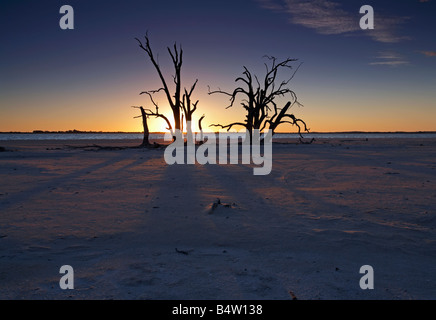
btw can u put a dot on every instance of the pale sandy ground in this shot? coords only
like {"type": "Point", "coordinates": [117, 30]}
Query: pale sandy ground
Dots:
{"type": "Point", "coordinates": [117, 218]}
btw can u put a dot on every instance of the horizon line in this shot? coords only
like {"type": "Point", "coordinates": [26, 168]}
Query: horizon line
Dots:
{"type": "Point", "coordinates": [161, 132]}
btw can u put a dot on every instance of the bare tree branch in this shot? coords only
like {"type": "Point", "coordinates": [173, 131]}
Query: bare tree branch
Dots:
{"type": "Point", "coordinates": [258, 98]}
{"type": "Point", "coordinates": [188, 107]}
{"type": "Point", "coordinates": [149, 93]}
{"type": "Point", "coordinates": [148, 50]}
{"type": "Point", "coordinates": [199, 122]}
{"type": "Point", "coordinates": [174, 100]}
{"type": "Point", "coordinates": [229, 126]}
{"type": "Point", "coordinates": [149, 112]}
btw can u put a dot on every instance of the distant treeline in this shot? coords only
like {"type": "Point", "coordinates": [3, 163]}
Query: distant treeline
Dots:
{"type": "Point", "coordinates": [78, 131]}
{"type": "Point", "coordinates": [68, 131]}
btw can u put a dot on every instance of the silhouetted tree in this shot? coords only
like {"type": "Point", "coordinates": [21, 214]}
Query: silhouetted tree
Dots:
{"type": "Point", "coordinates": [201, 128]}
{"type": "Point", "coordinates": [145, 140]}
{"type": "Point", "coordinates": [259, 99]}
{"type": "Point", "coordinates": [145, 114]}
{"type": "Point", "coordinates": [188, 109]}
{"type": "Point", "coordinates": [179, 102]}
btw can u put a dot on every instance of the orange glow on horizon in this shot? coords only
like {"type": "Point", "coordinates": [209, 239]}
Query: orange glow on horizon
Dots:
{"type": "Point", "coordinates": [93, 113]}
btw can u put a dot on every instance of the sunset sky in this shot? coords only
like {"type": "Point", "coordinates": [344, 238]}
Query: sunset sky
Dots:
{"type": "Point", "coordinates": [87, 78]}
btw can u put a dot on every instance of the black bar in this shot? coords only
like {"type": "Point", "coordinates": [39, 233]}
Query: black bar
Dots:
{"type": "Point", "coordinates": [220, 309]}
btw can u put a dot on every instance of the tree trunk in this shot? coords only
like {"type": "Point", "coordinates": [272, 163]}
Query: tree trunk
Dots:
{"type": "Point", "coordinates": [145, 141]}
{"type": "Point", "coordinates": [201, 129]}
{"type": "Point", "coordinates": [177, 124]}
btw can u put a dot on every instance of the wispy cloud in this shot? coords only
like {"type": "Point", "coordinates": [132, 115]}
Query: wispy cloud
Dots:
{"type": "Point", "coordinates": [328, 17]}
{"type": "Point", "coordinates": [270, 4]}
{"type": "Point", "coordinates": [429, 53]}
{"type": "Point", "coordinates": [390, 58]}
{"type": "Point", "coordinates": [385, 29]}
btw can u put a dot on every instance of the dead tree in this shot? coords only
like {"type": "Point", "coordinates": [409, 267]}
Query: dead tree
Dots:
{"type": "Point", "coordinates": [145, 114]}
{"type": "Point", "coordinates": [187, 105]}
{"type": "Point", "coordinates": [259, 99]}
{"type": "Point", "coordinates": [201, 129]}
{"type": "Point", "coordinates": [188, 109]}
{"type": "Point", "coordinates": [178, 101]}
{"type": "Point", "coordinates": [145, 140]}
{"type": "Point", "coordinates": [156, 113]}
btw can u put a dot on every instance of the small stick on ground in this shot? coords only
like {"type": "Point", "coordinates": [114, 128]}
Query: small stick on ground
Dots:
{"type": "Point", "coordinates": [182, 252]}
{"type": "Point", "coordinates": [294, 297]}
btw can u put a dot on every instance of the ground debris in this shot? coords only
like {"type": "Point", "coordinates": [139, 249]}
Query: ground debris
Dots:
{"type": "Point", "coordinates": [293, 296]}
{"type": "Point", "coordinates": [182, 252]}
{"type": "Point", "coordinates": [96, 147]}
{"type": "Point", "coordinates": [218, 204]}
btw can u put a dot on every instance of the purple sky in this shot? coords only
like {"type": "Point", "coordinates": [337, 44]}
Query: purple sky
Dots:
{"type": "Point", "coordinates": [87, 78]}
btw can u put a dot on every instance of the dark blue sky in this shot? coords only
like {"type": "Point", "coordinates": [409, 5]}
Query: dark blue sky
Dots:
{"type": "Point", "coordinates": [87, 78]}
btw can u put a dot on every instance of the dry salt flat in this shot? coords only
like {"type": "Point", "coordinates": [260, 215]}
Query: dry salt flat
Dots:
{"type": "Point", "coordinates": [133, 227]}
